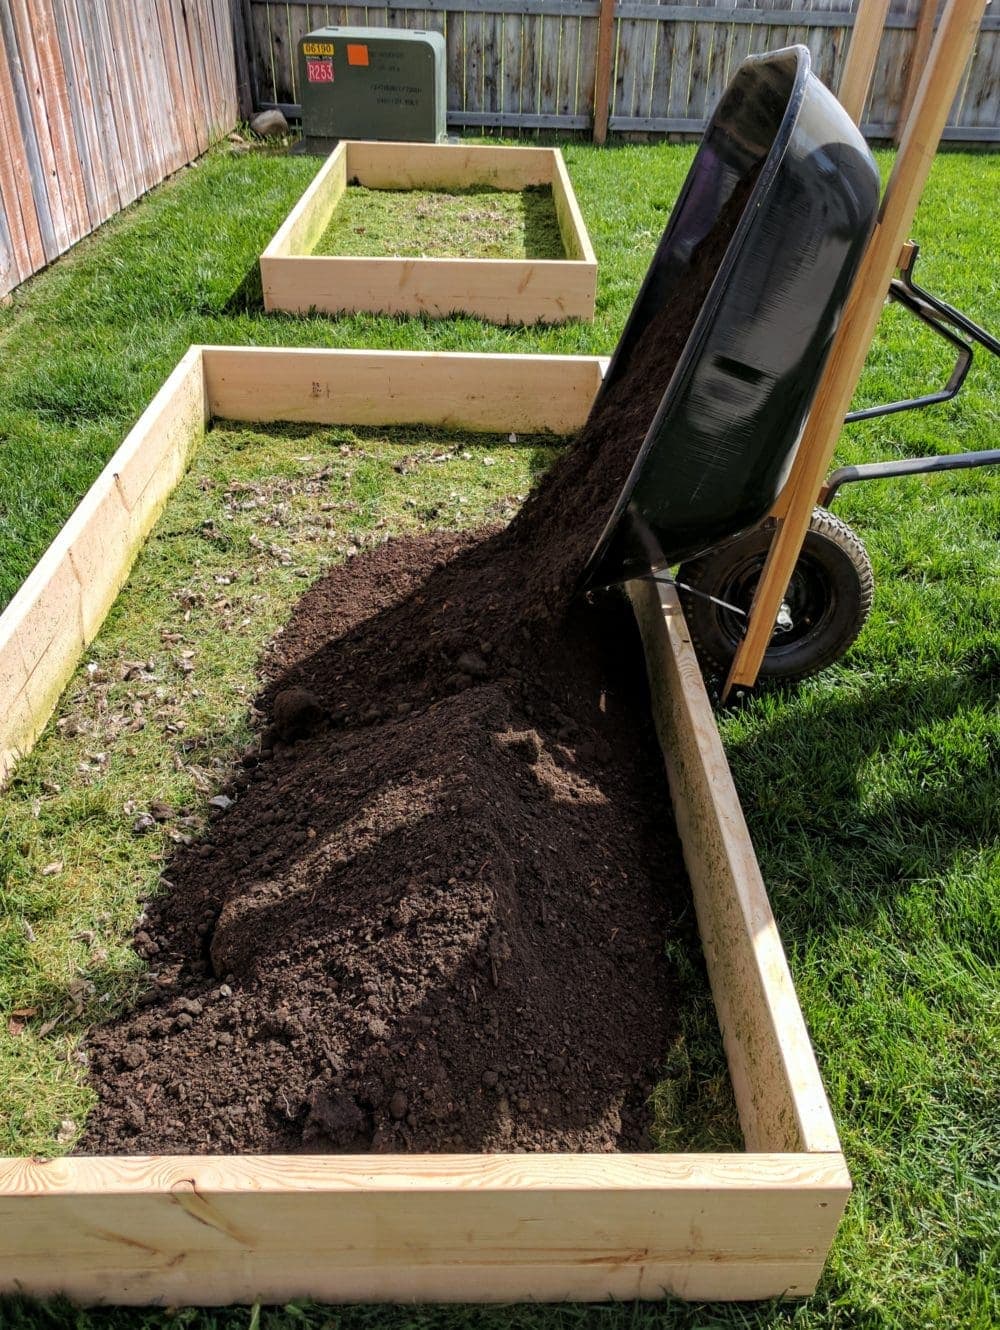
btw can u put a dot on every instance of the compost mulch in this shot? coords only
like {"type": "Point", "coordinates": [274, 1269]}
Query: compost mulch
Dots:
{"type": "Point", "coordinates": [432, 916]}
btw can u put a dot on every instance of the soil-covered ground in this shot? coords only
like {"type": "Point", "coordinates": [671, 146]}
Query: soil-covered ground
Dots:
{"type": "Point", "coordinates": [474, 223]}
{"type": "Point", "coordinates": [430, 911]}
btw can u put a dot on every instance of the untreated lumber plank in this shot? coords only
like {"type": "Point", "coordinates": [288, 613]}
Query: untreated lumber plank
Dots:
{"type": "Point", "coordinates": [500, 290]}
{"type": "Point", "coordinates": [310, 217]}
{"type": "Point", "coordinates": [449, 1227]}
{"type": "Point", "coordinates": [446, 166]}
{"type": "Point", "coordinates": [460, 390]}
{"type": "Point", "coordinates": [572, 227]}
{"type": "Point", "coordinates": [65, 598]}
{"type": "Point", "coordinates": [779, 1093]}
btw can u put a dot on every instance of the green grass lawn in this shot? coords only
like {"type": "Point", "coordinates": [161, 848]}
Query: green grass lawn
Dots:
{"type": "Point", "coordinates": [872, 792]}
{"type": "Point", "coordinates": [462, 223]}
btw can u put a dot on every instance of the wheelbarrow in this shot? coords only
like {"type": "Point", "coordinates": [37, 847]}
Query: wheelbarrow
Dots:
{"type": "Point", "coordinates": [719, 447]}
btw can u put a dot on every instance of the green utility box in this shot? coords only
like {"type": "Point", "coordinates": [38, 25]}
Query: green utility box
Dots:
{"type": "Point", "coordinates": [372, 83]}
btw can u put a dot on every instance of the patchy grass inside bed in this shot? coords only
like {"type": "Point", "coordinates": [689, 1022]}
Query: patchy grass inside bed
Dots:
{"type": "Point", "coordinates": [160, 710]}
{"type": "Point", "coordinates": [473, 223]}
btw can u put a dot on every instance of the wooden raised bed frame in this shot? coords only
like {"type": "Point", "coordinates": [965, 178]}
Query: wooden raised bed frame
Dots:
{"type": "Point", "coordinates": [220, 1229]}
{"type": "Point", "coordinates": [500, 290]}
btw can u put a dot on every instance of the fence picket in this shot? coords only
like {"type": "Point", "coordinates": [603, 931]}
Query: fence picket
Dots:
{"type": "Point", "coordinates": [99, 101]}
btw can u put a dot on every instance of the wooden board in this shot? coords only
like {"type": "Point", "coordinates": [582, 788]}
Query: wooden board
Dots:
{"type": "Point", "coordinates": [478, 1228]}
{"type": "Point", "coordinates": [778, 1090]}
{"type": "Point", "coordinates": [457, 390]}
{"type": "Point", "coordinates": [310, 217]}
{"type": "Point", "coordinates": [500, 290]}
{"type": "Point", "coordinates": [216, 1230]}
{"type": "Point", "coordinates": [63, 602]}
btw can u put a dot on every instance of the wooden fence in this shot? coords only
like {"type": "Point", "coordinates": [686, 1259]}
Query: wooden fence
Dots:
{"type": "Point", "coordinates": [99, 101]}
{"type": "Point", "coordinates": [533, 64]}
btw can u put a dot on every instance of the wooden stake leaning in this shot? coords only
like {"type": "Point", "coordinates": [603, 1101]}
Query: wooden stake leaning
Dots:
{"type": "Point", "coordinates": [951, 49]}
{"type": "Point", "coordinates": [866, 37]}
{"type": "Point", "coordinates": [922, 40]}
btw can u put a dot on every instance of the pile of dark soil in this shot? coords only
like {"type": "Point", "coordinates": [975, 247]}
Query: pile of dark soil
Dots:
{"type": "Point", "coordinates": [432, 917]}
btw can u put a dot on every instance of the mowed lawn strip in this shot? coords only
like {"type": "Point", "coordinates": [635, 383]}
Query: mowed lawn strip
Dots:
{"type": "Point", "coordinates": [871, 792]}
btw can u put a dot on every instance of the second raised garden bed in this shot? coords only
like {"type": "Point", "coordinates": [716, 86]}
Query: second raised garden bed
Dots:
{"type": "Point", "coordinates": [529, 290]}
{"type": "Point", "coordinates": [219, 1229]}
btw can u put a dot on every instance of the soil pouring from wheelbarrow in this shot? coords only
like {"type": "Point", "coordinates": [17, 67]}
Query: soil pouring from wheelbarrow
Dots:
{"type": "Point", "coordinates": [784, 166]}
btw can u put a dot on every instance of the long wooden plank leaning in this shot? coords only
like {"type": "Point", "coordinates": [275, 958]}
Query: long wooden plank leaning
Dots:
{"type": "Point", "coordinates": [213, 1229]}
{"type": "Point", "coordinates": [501, 290]}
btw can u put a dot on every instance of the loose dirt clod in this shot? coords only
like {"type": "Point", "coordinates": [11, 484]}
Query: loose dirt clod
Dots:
{"type": "Point", "coordinates": [438, 919]}
{"type": "Point", "coordinates": [295, 712]}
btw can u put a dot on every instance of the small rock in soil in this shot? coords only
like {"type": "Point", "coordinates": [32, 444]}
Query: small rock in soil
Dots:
{"type": "Point", "coordinates": [295, 712]}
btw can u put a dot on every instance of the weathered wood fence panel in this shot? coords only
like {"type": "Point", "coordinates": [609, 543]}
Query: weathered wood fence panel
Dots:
{"type": "Point", "coordinates": [532, 64]}
{"type": "Point", "coordinates": [99, 101]}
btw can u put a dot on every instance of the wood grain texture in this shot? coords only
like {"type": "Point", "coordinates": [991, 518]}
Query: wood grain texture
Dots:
{"type": "Point", "coordinates": [461, 390]}
{"type": "Point", "coordinates": [866, 37]}
{"type": "Point", "coordinates": [63, 602]}
{"type": "Point", "coordinates": [662, 66]}
{"type": "Point", "coordinates": [779, 1093]}
{"type": "Point", "coordinates": [216, 1230]}
{"type": "Point", "coordinates": [27, 252]}
{"type": "Point", "coordinates": [572, 227]}
{"type": "Point", "coordinates": [100, 100]}
{"type": "Point", "coordinates": [310, 217]}
{"type": "Point", "coordinates": [605, 35]}
{"type": "Point", "coordinates": [500, 290]}
{"type": "Point", "coordinates": [447, 166]}
{"type": "Point", "coordinates": [449, 1228]}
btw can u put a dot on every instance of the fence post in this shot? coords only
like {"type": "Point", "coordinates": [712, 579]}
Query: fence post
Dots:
{"type": "Point", "coordinates": [602, 82]}
{"type": "Point", "coordinates": [918, 58]}
{"type": "Point", "coordinates": [240, 20]}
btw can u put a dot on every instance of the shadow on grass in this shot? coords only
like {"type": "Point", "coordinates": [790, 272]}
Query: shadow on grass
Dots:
{"type": "Point", "coordinates": [869, 790]}
{"type": "Point", "coordinates": [542, 238]}
{"type": "Point", "coordinates": [248, 297]}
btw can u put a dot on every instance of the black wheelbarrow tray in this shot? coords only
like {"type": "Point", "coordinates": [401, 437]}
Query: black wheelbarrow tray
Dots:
{"type": "Point", "coordinates": [785, 189]}
{"type": "Point", "coordinates": [719, 447]}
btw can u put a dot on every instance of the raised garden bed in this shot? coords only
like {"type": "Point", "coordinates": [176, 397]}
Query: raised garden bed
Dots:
{"type": "Point", "coordinates": [503, 290]}
{"type": "Point", "coordinates": [216, 1229]}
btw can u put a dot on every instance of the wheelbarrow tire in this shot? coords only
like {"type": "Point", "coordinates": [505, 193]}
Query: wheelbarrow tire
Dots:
{"type": "Point", "coordinates": [829, 597]}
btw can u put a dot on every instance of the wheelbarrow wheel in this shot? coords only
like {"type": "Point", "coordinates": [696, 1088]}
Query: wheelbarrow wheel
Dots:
{"type": "Point", "coordinates": [828, 600]}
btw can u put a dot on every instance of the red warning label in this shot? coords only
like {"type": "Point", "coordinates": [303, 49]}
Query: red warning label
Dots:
{"type": "Point", "coordinates": [319, 71]}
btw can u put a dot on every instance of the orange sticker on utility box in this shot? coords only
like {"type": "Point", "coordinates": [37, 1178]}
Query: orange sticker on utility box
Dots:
{"type": "Point", "coordinates": [357, 55]}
